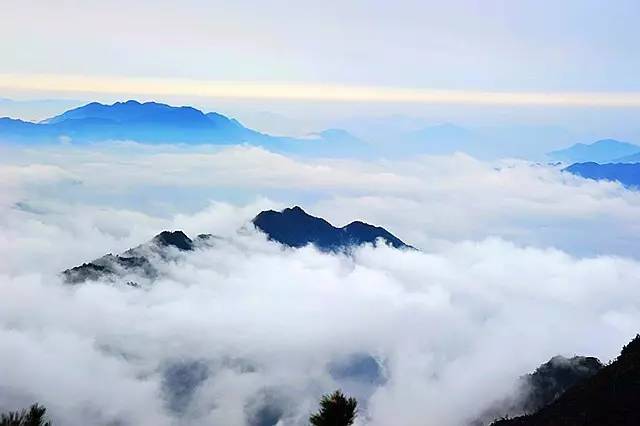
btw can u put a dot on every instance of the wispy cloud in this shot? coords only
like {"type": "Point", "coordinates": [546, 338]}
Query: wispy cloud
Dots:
{"type": "Point", "coordinates": [141, 86]}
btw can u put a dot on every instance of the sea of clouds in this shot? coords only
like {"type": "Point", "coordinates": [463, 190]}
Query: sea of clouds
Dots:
{"type": "Point", "coordinates": [518, 262]}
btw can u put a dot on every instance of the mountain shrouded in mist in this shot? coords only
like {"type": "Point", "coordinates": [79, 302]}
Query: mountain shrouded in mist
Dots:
{"type": "Point", "coordinates": [602, 151]}
{"type": "Point", "coordinates": [133, 261]}
{"type": "Point", "coordinates": [543, 386]}
{"type": "Point", "coordinates": [610, 397]}
{"type": "Point", "coordinates": [292, 227]}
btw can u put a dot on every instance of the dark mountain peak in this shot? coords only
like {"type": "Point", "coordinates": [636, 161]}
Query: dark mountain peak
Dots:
{"type": "Point", "coordinates": [372, 232]}
{"type": "Point", "coordinates": [295, 210]}
{"type": "Point", "coordinates": [296, 228]}
{"type": "Point", "coordinates": [357, 224]}
{"type": "Point", "coordinates": [609, 397]}
{"type": "Point", "coordinates": [292, 227]}
{"type": "Point", "coordinates": [177, 239]}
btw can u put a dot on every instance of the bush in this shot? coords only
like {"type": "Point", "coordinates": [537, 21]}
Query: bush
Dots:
{"type": "Point", "coordinates": [335, 410]}
{"type": "Point", "coordinates": [35, 416]}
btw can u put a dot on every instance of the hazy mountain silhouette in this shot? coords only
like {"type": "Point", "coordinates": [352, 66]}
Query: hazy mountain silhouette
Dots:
{"type": "Point", "coordinates": [602, 151]}
{"type": "Point", "coordinates": [152, 122]}
{"type": "Point", "coordinates": [440, 139]}
{"type": "Point", "coordinates": [633, 158]}
{"type": "Point", "coordinates": [149, 122]}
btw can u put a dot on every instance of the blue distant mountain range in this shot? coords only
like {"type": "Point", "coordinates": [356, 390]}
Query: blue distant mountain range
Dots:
{"type": "Point", "coordinates": [602, 151]}
{"type": "Point", "coordinates": [148, 122]}
{"type": "Point", "coordinates": [606, 159]}
{"type": "Point", "coordinates": [157, 123]}
{"type": "Point", "coordinates": [627, 174]}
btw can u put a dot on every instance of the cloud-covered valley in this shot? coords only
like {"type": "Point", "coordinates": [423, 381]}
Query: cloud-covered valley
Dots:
{"type": "Point", "coordinates": [518, 262]}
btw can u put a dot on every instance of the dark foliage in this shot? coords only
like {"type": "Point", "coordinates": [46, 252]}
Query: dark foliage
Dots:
{"type": "Point", "coordinates": [335, 410]}
{"type": "Point", "coordinates": [540, 388]}
{"type": "Point", "coordinates": [610, 397]}
{"type": "Point", "coordinates": [553, 378]}
{"type": "Point", "coordinates": [34, 416]}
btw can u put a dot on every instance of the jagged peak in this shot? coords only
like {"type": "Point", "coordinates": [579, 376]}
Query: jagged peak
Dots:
{"type": "Point", "coordinates": [296, 228]}
{"type": "Point", "coordinates": [176, 239]}
{"type": "Point", "coordinates": [296, 210]}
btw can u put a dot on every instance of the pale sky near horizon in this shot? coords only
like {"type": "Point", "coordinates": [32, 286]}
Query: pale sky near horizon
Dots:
{"type": "Point", "coordinates": [410, 55]}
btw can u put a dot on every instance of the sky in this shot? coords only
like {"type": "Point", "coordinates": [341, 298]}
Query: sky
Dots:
{"type": "Point", "coordinates": [568, 63]}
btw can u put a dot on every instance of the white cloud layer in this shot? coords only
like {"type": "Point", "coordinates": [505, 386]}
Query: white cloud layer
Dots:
{"type": "Point", "coordinates": [452, 327]}
{"type": "Point", "coordinates": [427, 201]}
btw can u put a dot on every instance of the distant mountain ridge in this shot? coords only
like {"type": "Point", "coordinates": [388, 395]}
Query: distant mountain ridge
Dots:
{"type": "Point", "coordinates": [602, 151]}
{"type": "Point", "coordinates": [145, 122]}
{"type": "Point", "coordinates": [627, 174]}
{"type": "Point", "coordinates": [157, 123]}
{"type": "Point", "coordinates": [633, 158]}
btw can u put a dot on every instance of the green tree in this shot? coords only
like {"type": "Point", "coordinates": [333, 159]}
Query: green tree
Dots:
{"type": "Point", "coordinates": [35, 416]}
{"type": "Point", "coordinates": [335, 410]}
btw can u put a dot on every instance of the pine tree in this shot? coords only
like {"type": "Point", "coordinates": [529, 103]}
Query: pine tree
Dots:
{"type": "Point", "coordinates": [335, 410]}
{"type": "Point", "coordinates": [35, 416]}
